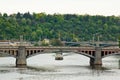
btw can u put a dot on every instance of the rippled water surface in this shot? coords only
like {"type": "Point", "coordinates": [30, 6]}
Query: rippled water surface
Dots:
{"type": "Point", "coordinates": [73, 67]}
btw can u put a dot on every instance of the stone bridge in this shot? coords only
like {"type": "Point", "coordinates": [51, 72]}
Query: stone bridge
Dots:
{"type": "Point", "coordinates": [21, 53]}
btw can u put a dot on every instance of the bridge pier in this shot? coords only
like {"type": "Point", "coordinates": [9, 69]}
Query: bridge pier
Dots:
{"type": "Point", "coordinates": [96, 63]}
{"type": "Point", "coordinates": [59, 56]}
{"type": "Point", "coordinates": [21, 57]}
{"type": "Point", "coordinates": [98, 59]}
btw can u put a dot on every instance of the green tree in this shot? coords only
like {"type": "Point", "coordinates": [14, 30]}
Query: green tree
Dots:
{"type": "Point", "coordinates": [41, 25]}
{"type": "Point", "coordinates": [45, 43]}
{"type": "Point", "coordinates": [56, 42]}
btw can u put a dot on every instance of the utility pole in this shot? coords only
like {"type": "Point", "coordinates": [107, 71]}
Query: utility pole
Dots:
{"type": "Point", "coordinates": [93, 39]}
{"type": "Point", "coordinates": [21, 40]}
{"type": "Point", "coordinates": [119, 42]}
{"type": "Point", "coordinates": [59, 36]}
{"type": "Point", "coordinates": [98, 40]}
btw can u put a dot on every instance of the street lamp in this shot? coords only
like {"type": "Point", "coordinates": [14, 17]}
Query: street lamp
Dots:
{"type": "Point", "coordinates": [93, 39]}
{"type": "Point", "coordinates": [21, 40]}
{"type": "Point", "coordinates": [98, 39]}
{"type": "Point", "coordinates": [118, 42]}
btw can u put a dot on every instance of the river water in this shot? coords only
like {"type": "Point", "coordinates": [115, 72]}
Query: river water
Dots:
{"type": "Point", "coordinates": [45, 67]}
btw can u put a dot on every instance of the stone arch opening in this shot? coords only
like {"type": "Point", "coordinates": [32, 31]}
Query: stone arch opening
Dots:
{"type": "Point", "coordinates": [110, 54]}
{"type": "Point", "coordinates": [6, 54]}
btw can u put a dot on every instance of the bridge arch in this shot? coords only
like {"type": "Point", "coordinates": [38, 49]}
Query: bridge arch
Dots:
{"type": "Point", "coordinates": [85, 54]}
{"type": "Point", "coordinates": [89, 55]}
{"type": "Point", "coordinates": [35, 54]}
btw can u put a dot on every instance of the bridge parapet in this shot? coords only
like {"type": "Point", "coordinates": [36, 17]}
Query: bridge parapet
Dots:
{"type": "Point", "coordinates": [57, 47]}
{"type": "Point", "coordinates": [111, 49]}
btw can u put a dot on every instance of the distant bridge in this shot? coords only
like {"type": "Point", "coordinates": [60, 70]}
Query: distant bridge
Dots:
{"type": "Point", "coordinates": [91, 43]}
{"type": "Point", "coordinates": [21, 53]}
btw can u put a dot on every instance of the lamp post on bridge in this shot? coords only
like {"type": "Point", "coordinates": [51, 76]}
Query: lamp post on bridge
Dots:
{"type": "Point", "coordinates": [119, 42]}
{"type": "Point", "coordinates": [98, 39]}
{"type": "Point", "coordinates": [21, 40]}
{"type": "Point", "coordinates": [93, 39]}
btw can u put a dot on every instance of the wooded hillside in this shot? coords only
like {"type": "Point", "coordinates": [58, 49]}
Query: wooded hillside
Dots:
{"type": "Point", "coordinates": [70, 27]}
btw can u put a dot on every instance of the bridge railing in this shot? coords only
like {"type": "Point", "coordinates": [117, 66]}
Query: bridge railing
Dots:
{"type": "Point", "coordinates": [57, 47]}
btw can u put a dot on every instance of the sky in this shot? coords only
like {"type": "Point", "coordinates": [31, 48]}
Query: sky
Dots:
{"type": "Point", "coordinates": [91, 7]}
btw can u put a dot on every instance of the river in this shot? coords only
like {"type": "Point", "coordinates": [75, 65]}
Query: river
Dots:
{"type": "Point", "coordinates": [45, 67]}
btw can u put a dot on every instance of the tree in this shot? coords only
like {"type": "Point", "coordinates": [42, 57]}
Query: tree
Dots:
{"type": "Point", "coordinates": [34, 35]}
{"type": "Point", "coordinates": [56, 42]}
{"type": "Point", "coordinates": [40, 25]}
{"type": "Point", "coordinates": [45, 42]}
{"type": "Point", "coordinates": [18, 15]}
{"type": "Point", "coordinates": [5, 15]}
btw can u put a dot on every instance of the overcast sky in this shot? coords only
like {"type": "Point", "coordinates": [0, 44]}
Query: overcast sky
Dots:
{"type": "Point", "coordinates": [92, 7]}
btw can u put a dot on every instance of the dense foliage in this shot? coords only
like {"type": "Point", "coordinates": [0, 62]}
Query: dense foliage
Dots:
{"type": "Point", "coordinates": [70, 27]}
